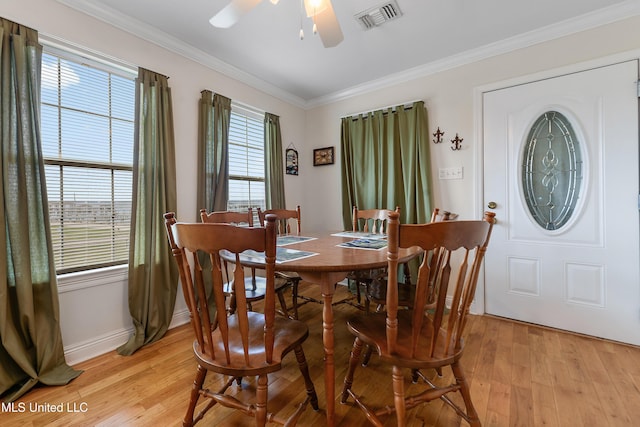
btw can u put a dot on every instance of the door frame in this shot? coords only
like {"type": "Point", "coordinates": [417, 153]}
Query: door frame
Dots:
{"type": "Point", "coordinates": [478, 305]}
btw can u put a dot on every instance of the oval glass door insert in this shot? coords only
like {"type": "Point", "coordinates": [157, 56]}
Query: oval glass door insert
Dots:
{"type": "Point", "coordinates": [552, 170]}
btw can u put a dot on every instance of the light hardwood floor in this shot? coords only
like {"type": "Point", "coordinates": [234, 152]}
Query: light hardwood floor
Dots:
{"type": "Point", "coordinates": [520, 375]}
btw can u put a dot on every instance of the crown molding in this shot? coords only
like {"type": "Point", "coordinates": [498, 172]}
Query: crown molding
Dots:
{"type": "Point", "coordinates": [151, 34]}
{"type": "Point", "coordinates": [584, 22]}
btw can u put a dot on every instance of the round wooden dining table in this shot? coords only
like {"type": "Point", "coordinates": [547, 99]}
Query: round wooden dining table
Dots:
{"type": "Point", "coordinates": [329, 265]}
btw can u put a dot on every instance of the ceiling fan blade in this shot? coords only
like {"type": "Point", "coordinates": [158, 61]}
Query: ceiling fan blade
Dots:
{"type": "Point", "coordinates": [231, 13]}
{"type": "Point", "coordinates": [328, 26]}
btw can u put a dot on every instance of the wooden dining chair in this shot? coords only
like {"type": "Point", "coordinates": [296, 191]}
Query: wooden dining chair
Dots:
{"type": "Point", "coordinates": [370, 221]}
{"type": "Point", "coordinates": [436, 215]}
{"type": "Point", "coordinates": [289, 221]}
{"type": "Point", "coordinates": [255, 286]}
{"type": "Point", "coordinates": [427, 336]}
{"type": "Point", "coordinates": [376, 289]}
{"type": "Point", "coordinates": [244, 343]}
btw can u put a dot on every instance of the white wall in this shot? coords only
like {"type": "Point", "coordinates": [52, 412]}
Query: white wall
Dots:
{"type": "Point", "coordinates": [449, 99]}
{"type": "Point", "coordinates": [94, 312]}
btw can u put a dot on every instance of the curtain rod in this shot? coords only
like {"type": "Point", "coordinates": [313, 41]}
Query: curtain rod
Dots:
{"type": "Point", "coordinates": [247, 106]}
{"type": "Point", "coordinates": [70, 50]}
{"type": "Point", "coordinates": [405, 105]}
{"type": "Point", "coordinates": [239, 104]}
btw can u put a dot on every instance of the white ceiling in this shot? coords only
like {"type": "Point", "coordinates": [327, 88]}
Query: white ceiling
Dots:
{"type": "Point", "coordinates": [263, 49]}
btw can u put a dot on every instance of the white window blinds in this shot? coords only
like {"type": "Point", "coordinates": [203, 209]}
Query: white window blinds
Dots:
{"type": "Point", "coordinates": [87, 141]}
{"type": "Point", "coordinates": [246, 160]}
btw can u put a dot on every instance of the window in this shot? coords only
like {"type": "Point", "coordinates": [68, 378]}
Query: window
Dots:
{"type": "Point", "coordinates": [246, 160]}
{"type": "Point", "coordinates": [552, 170]}
{"type": "Point", "coordinates": [88, 118]}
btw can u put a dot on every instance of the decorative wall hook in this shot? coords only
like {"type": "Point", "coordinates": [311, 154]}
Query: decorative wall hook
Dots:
{"type": "Point", "coordinates": [457, 143]}
{"type": "Point", "coordinates": [438, 136]}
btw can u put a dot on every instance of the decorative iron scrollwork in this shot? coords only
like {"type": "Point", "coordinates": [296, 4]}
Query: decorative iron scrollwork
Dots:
{"type": "Point", "coordinates": [439, 134]}
{"type": "Point", "coordinates": [457, 143]}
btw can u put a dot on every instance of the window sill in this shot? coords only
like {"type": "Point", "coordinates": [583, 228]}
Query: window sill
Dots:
{"type": "Point", "coordinates": [87, 279]}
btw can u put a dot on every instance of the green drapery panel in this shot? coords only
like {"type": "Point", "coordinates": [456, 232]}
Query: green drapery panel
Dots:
{"type": "Point", "coordinates": [213, 152]}
{"type": "Point", "coordinates": [274, 171]}
{"type": "Point", "coordinates": [213, 161]}
{"type": "Point", "coordinates": [31, 349]}
{"type": "Point", "coordinates": [153, 275]}
{"type": "Point", "coordinates": [386, 163]}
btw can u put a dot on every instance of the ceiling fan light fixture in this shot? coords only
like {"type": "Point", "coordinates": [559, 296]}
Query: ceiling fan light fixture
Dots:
{"type": "Point", "coordinates": [232, 12]}
{"type": "Point", "coordinates": [325, 22]}
{"type": "Point", "coordinates": [313, 7]}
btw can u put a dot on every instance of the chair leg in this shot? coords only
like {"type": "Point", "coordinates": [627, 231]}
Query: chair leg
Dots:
{"type": "Point", "coordinates": [283, 304]}
{"type": "Point", "coordinates": [367, 299]}
{"type": "Point", "coordinates": [398, 396]}
{"type": "Point", "coordinates": [294, 298]}
{"type": "Point", "coordinates": [353, 364]}
{"type": "Point", "coordinates": [367, 355]}
{"type": "Point", "coordinates": [261, 400]}
{"type": "Point", "coordinates": [407, 274]}
{"type": "Point", "coordinates": [232, 304]}
{"type": "Point", "coordinates": [195, 394]}
{"type": "Point", "coordinates": [304, 369]}
{"type": "Point", "coordinates": [472, 415]}
{"type": "Point", "coordinates": [416, 374]}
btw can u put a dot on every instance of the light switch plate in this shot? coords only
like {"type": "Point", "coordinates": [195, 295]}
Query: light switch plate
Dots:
{"type": "Point", "coordinates": [450, 173]}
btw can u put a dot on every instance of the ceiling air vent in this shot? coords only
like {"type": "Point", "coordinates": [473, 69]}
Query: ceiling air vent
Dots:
{"type": "Point", "coordinates": [378, 15]}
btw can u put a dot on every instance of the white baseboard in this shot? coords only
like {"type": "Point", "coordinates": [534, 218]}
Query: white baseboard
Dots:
{"type": "Point", "coordinates": [473, 308]}
{"type": "Point", "coordinates": [89, 349]}
{"type": "Point", "coordinates": [179, 318]}
{"type": "Point", "coordinates": [86, 350]}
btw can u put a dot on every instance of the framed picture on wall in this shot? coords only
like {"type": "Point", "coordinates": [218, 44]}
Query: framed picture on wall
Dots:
{"type": "Point", "coordinates": [323, 156]}
{"type": "Point", "coordinates": [291, 161]}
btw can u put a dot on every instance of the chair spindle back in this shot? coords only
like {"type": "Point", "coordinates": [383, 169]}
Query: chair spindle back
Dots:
{"type": "Point", "coordinates": [286, 218]}
{"type": "Point", "coordinates": [229, 217]}
{"type": "Point", "coordinates": [458, 248]}
{"type": "Point", "coordinates": [186, 240]}
{"type": "Point", "coordinates": [371, 220]}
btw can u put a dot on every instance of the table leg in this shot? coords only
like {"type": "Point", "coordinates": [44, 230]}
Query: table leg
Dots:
{"type": "Point", "coordinates": [327, 282]}
{"type": "Point", "coordinates": [329, 362]}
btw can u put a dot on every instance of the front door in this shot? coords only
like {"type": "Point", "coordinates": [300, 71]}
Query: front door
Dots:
{"type": "Point", "coordinates": [561, 169]}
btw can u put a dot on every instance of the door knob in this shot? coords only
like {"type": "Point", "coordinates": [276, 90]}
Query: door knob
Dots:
{"type": "Point", "coordinates": [492, 205]}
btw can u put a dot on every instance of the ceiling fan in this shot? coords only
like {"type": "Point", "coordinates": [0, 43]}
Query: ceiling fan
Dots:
{"type": "Point", "coordinates": [325, 22]}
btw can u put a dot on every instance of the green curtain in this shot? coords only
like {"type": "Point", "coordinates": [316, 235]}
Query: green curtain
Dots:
{"type": "Point", "coordinates": [31, 349]}
{"type": "Point", "coordinates": [213, 152]}
{"type": "Point", "coordinates": [385, 163]}
{"type": "Point", "coordinates": [213, 163]}
{"type": "Point", "coordinates": [274, 171]}
{"type": "Point", "coordinates": [153, 275]}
